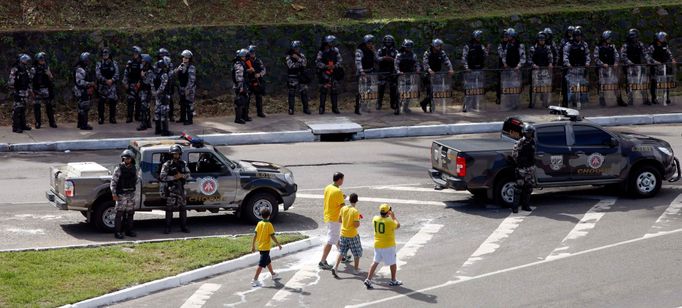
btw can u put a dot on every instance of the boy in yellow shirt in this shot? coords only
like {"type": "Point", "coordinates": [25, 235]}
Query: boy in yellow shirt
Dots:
{"type": "Point", "coordinates": [350, 239]}
{"type": "Point", "coordinates": [384, 244]}
{"type": "Point", "coordinates": [333, 202]}
{"type": "Point", "coordinates": [264, 233]}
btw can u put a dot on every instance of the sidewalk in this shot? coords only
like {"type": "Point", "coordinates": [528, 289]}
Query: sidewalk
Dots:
{"type": "Point", "coordinates": [288, 125]}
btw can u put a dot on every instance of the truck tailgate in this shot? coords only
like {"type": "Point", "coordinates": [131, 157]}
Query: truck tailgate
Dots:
{"type": "Point", "coordinates": [477, 145]}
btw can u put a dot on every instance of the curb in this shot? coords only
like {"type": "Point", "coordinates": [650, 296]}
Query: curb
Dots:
{"type": "Point", "coordinates": [187, 277]}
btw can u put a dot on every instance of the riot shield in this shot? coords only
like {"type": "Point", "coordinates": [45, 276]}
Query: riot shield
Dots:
{"type": "Point", "coordinates": [408, 90]}
{"type": "Point", "coordinates": [368, 88]}
{"type": "Point", "coordinates": [441, 89]}
{"type": "Point", "coordinates": [577, 86]}
{"type": "Point", "coordinates": [511, 89]}
{"type": "Point", "coordinates": [638, 85]}
{"type": "Point", "coordinates": [542, 86]}
{"type": "Point", "coordinates": [474, 90]}
{"type": "Point", "coordinates": [608, 86]}
{"type": "Point", "coordinates": [665, 81]}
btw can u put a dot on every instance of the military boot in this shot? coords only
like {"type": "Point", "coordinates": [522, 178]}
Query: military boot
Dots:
{"type": "Point", "coordinates": [335, 103]}
{"type": "Point", "coordinates": [157, 127]}
{"type": "Point", "coordinates": [50, 115]}
{"type": "Point", "coordinates": [183, 221]}
{"type": "Point", "coordinates": [118, 225]}
{"type": "Point", "coordinates": [129, 224]}
{"type": "Point", "coordinates": [37, 115]}
{"type": "Point", "coordinates": [164, 128]}
{"type": "Point", "coordinates": [238, 115]}
{"type": "Point", "coordinates": [304, 102]}
{"type": "Point", "coordinates": [517, 200]}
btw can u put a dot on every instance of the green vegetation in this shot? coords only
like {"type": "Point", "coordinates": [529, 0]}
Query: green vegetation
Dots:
{"type": "Point", "coordinates": [57, 277]}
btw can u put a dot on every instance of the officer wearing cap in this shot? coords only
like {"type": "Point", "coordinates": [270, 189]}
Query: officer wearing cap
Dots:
{"type": "Point", "coordinates": [174, 174]}
{"type": "Point", "coordinates": [523, 155]}
{"type": "Point", "coordinates": [123, 185]}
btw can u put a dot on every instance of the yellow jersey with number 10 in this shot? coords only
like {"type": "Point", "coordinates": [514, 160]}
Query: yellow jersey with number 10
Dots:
{"type": "Point", "coordinates": [384, 232]}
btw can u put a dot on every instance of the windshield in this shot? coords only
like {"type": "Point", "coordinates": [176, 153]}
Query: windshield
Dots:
{"type": "Point", "coordinates": [229, 162]}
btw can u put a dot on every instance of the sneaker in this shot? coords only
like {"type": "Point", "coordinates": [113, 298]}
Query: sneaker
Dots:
{"type": "Point", "coordinates": [255, 283]}
{"type": "Point", "coordinates": [334, 273]}
{"type": "Point", "coordinates": [324, 265]}
{"type": "Point", "coordinates": [368, 284]}
{"type": "Point", "coordinates": [275, 276]}
{"type": "Point", "coordinates": [395, 283]}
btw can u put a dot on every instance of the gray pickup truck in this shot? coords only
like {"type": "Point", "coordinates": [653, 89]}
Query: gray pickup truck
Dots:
{"type": "Point", "coordinates": [569, 152]}
{"type": "Point", "coordinates": [217, 183]}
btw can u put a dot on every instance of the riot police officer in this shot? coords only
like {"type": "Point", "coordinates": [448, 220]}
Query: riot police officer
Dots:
{"type": "Point", "coordinates": [540, 56]}
{"type": "Point", "coordinates": [297, 79]}
{"type": "Point", "coordinates": [523, 156]}
{"type": "Point", "coordinates": [406, 63]}
{"type": "Point", "coordinates": [186, 73]}
{"type": "Point", "coordinates": [170, 67]}
{"type": "Point", "coordinates": [132, 82]}
{"type": "Point", "coordinates": [330, 72]}
{"type": "Point", "coordinates": [576, 54]}
{"type": "Point", "coordinates": [84, 89]}
{"type": "Point", "coordinates": [145, 92]}
{"type": "Point", "coordinates": [256, 70]}
{"type": "Point", "coordinates": [606, 55]}
{"type": "Point", "coordinates": [174, 174]}
{"type": "Point", "coordinates": [364, 62]}
{"type": "Point", "coordinates": [161, 93]}
{"type": "Point", "coordinates": [549, 40]}
{"type": "Point", "coordinates": [567, 39]}
{"type": "Point", "coordinates": [20, 82]}
{"type": "Point", "coordinates": [240, 85]}
{"type": "Point", "coordinates": [433, 61]}
{"type": "Point", "coordinates": [633, 52]}
{"type": "Point", "coordinates": [474, 53]}
{"type": "Point", "coordinates": [43, 90]}
{"type": "Point", "coordinates": [514, 55]}
{"type": "Point", "coordinates": [660, 54]}
{"type": "Point", "coordinates": [123, 185]}
{"type": "Point", "coordinates": [106, 71]}
{"type": "Point", "coordinates": [386, 59]}
{"type": "Point", "coordinates": [500, 65]}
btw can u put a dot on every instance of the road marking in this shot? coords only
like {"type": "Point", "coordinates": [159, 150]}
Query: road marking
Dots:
{"type": "Point", "coordinates": [668, 216]}
{"type": "Point", "coordinates": [358, 187]}
{"type": "Point", "coordinates": [413, 245]}
{"type": "Point", "coordinates": [152, 212]}
{"type": "Point", "coordinates": [421, 189]}
{"type": "Point", "coordinates": [379, 200]}
{"type": "Point", "coordinates": [495, 239]}
{"type": "Point", "coordinates": [27, 231]}
{"type": "Point", "coordinates": [306, 276]}
{"type": "Point", "coordinates": [39, 217]}
{"type": "Point", "coordinates": [511, 269]}
{"type": "Point", "coordinates": [583, 227]}
{"type": "Point", "coordinates": [199, 298]}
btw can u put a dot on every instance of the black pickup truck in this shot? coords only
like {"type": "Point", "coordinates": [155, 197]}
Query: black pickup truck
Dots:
{"type": "Point", "coordinates": [569, 152]}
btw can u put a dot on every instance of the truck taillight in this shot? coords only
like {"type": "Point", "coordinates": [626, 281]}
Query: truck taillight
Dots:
{"type": "Point", "coordinates": [69, 189]}
{"type": "Point", "coordinates": [461, 166]}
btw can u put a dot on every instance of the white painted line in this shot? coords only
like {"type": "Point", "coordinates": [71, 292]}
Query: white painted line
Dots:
{"type": "Point", "coordinates": [378, 200]}
{"type": "Point", "coordinates": [511, 269]}
{"type": "Point", "coordinates": [583, 227]}
{"type": "Point", "coordinates": [26, 231]}
{"type": "Point", "coordinates": [199, 298]}
{"type": "Point", "coordinates": [669, 215]}
{"type": "Point", "coordinates": [358, 187]}
{"type": "Point", "coordinates": [308, 275]}
{"type": "Point", "coordinates": [494, 240]}
{"type": "Point", "coordinates": [422, 189]}
{"type": "Point", "coordinates": [413, 245]}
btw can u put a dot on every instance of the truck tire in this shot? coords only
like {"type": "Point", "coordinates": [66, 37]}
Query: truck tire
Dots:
{"type": "Point", "coordinates": [104, 216]}
{"type": "Point", "coordinates": [503, 191]}
{"type": "Point", "coordinates": [258, 201]}
{"type": "Point", "coordinates": [645, 181]}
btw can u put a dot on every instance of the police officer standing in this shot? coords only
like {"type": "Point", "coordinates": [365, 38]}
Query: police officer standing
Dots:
{"type": "Point", "coordinates": [364, 63]}
{"type": "Point", "coordinates": [43, 90]}
{"type": "Point", "coordinates": [433, 61]}
{"type": "Point", "coordinates": [328, 63]}
{"type": "Point", "coordinates": [514, 55]}
{"type": "Point", "coordinates": [161, 54]}
{"type": "Point", "coordinates": [386, 58]}
{"type": "Point", "coordinates": [83, 90]}
{"type": "Point", "coordinates": [500, 65]}
{"type": "Point", "coordinates": [406, 63]}
{"type": "Point", "coordinates": [576, 54]}
{"type": "Point", "coordinates": [549, 40]}
{"type": "Point", "coordinates": [20, 81]}
{"type": "Point", "coordinates": [132, 81]}
{"type": "Point", "coordinates": [123, 185]}
{"type": "Point", "coordinates": [605, 56]}
{"type": "Point", "coordinates": [240, 85]}
{"type": "Point", "coordinates": [256, 71]}
{"type": "Point", "coordinates": [633, 52]}
{"type": "Point", "coordinates": [474, 53]}
{"type": "Point", "coordinates": [106, 72]}
{"type": "Point", "coordinates": [145, 92]}
{"type": "Point", "coordinates": [523, 156]}
{"type": "Point", "coordinates": [660, 54]}
{"type": "Point", "coordinates": [186, 73]}
{"type": "Point", "coordinates": [161, 94]}
{"type": "Point", "coordinates": [567, 39]}
{"type": "Point", "coordinates": [174, 174]}
{"type": "Point", "coordinates": [540, 56]}
{"type": "Point", "coordinates": [297, 80]}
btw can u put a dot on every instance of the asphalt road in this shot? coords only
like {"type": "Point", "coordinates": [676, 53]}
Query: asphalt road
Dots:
{"type": "Point", "coordinates": [578, 247]}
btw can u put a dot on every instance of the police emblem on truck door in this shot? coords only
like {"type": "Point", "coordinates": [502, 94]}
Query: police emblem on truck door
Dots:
{"type": "Point", "coordinates": [556, 162]}
{"type": "Point", "coordinates": [208, 185]}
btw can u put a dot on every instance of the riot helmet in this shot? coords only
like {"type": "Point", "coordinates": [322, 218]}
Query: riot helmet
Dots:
{"type": "Point", "coordinates": [84, 57]}
{"type": "Point", "coordinates": [607, 35]}
{"type": "Point", "coordinates": [633, 34]}
{"type": "Point", "coordinates": [105, 52]}
{"type": "Point", "coordinates": [40, 56]}
{"type": "Point", "coordinates": [569, 31]}
{"type": "Point", "coordinates": [127, 153]}
{"type": "Point", "coordinates": [408, 44]}
{"type": "Point", "coordinates": [163, 52]}
{"type": "Point", "coordinates": [24, 58]}
{"type": "Point", "coordinates": [389, 41]}
{"type": "Point", "coordinates": [511, 32]}
{"type": "Point", "coordinates": [242, 53]}
{"type": "Point", "coordinates": [330, 40]}
{"type": "Point", "coordinates": [175, 149]}
{"type": "Point", "coordinates": [437, 43]}
{"type": "Point", "coordinates": [541, 36]}
{"type": "Point", "coordinates": [160, 65]}
{"type": "Point", "coordinates": [528, 130]}
{"type": "Point", "coordinates": [548, 32]}
{"type": "Point", "coordinates": [166, 61]}
{"type": "Point", "coordinates": [137, 50]}
{"type": "Point", "coordinates": [477, 35]}
{"type": "Point", "coordinates": [661, 36]}
{"type": "Point", "coordinates": [296, 44]}
{"type": "Point", "coordinates": [368, 39]}
{"type": "Point", "coordinates": [146, 58]}
{"type": "Point", "coordinates": [186, 54]}
{"type": "Point", "coordinates": [252, 49]}
{"type": "Point", "coordinates": [578, 33]}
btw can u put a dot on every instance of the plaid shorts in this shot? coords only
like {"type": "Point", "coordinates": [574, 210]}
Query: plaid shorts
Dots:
{"type": "Point", "coordinates": [350, 243]}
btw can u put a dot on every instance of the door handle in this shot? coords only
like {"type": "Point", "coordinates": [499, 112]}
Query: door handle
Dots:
{"type": "Point", "coordinates": [539, 154]}
{"type": "Point", "coordinates": [580, 153]}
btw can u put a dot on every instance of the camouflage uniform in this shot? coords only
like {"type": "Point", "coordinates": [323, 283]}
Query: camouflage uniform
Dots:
{"type": "Point", "coordinates": [606, 54]}
{"type": "Point", "coordinates": [187, 77]}
{"type": "Point", "coordinates": [387, 76]}
{"type": "Point", "coordinates": [328, 84]}
{"type": "Point", "coordinates": [123, 185]}
{"type": "Point", "coordinates": [241, 94]}
{"type": "Point", "coordinates": [82, 91]}
{"type": "Point", "coordinates": [42, 90]}
{"type": "Point", "coordinates": [634, 53]}
{"type": "Point", "coordinates": [145, 95]}
{"type": "Point", "coordinates": [659, 54]}
{"type": "Point", "coordinates": [20, 80]}
{"type": "Point", "coordinates": [576, 54]}
{"type": "Point", "coordinates": [256, 84]}
{"type": "Point", "coordinates": [107, 70]}
{"type": "Point", "coordinates": [295, 69]}
{"type": "Point", "coordinates": [161, 93]}
{"type": "Point", "coordinates": [175, 190]}
{"type": "Point", "coordinates": [132, 79]}
{"type": "Point", "coordinates": [541, 56]}
{"type": "Point", "coordinates": [523, 155]}
{"type": "Point", "coordinates": [433, 61]}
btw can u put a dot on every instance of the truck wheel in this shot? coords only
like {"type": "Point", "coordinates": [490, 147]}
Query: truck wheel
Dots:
{"type": "Point", "coordinates": [104, 216]}
{"type": "Point", "coordinates": [257, 202]}
{"type": "Point", "coordinates": [645, 182]}
{"type": "Point", "coordinates": [503, 193]}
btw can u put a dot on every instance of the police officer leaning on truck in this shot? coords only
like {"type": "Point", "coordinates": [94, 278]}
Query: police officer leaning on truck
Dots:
{"type": "Point", "coordinates": [523, 156]}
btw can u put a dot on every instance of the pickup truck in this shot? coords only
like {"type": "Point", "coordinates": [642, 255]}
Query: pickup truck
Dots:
{"type": "Point", "coordinates": [569, 152]}
{"type": "Point", "coordinates": [217, 183]}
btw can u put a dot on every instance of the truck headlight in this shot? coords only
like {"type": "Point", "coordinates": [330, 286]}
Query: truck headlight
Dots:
{"type": "Point", "coordinates": [666, 151]}
{"type": "Point", "coordinates": [286, 177]}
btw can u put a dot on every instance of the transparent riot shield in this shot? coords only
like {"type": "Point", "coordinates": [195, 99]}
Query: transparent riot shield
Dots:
{"type": "Point", "coordinates": [577, 86]}
{"type": "Point", "coordinates": [542, 86]}
{"type": "Point", "coordinates": [368, 88]}
{"type": "Point", "coordinates": [408, 91]}
{"type": "Point", "coordinates": [474, 90]}
{"type": "Point", "coordinates": [441, 89]}
{"type": "Point", "coordinates": [638, 85]}
{"type": "Point", "coordinates": [511, 89]}
{"type": "Point", "coordinates": [665, 82]}
{"type": "Point", "coordinates": [608, 86]}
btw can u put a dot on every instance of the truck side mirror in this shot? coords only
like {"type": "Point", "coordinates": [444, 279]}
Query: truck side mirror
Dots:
{"type": "Point", "coordinates": [613, 142]}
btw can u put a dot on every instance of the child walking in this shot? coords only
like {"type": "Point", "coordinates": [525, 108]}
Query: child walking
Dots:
{"type": "Point", "coordinates": [265, 232]}
{"type": "Point", "coordinates": [350, 239]}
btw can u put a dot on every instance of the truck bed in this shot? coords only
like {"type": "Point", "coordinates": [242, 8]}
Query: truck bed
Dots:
{"type": "Point", "coordinates": [477, 145]}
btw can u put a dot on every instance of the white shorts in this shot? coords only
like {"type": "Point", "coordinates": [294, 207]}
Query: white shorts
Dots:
{"type": "Point", "coordinates": [333, 232]}
{"type": "Point", "coordinates": [385, 255]}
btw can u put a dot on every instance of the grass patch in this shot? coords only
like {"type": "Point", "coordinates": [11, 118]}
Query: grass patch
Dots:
{"type": "Point", "coordinates": [56, 277]}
